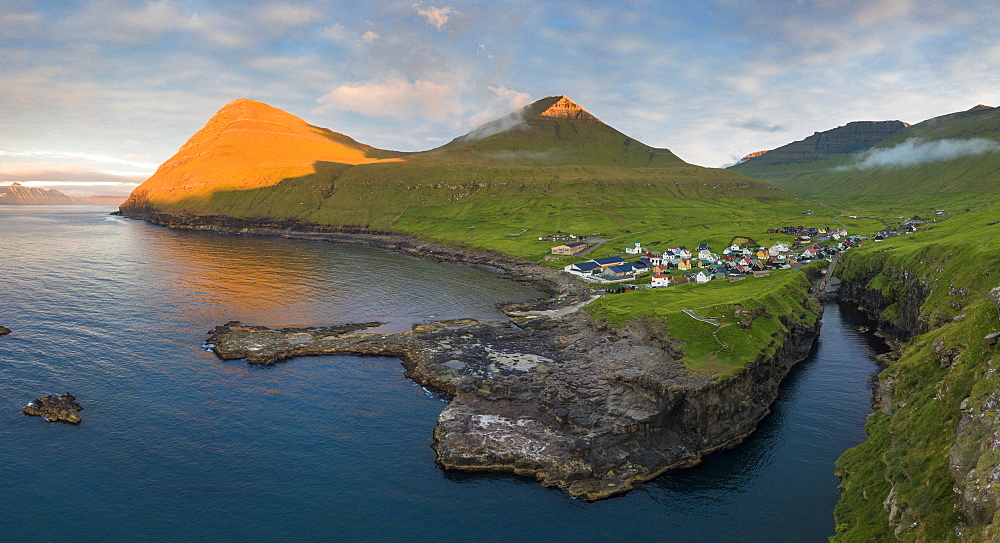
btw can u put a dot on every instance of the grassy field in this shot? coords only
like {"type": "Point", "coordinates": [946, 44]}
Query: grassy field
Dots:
{"type": "Point", "coordinates": [767, 304]}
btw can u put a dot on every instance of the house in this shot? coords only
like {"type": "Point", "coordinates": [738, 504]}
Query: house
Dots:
{"type": "Point", "coordinates": [762, 253]}
{"type": "Point", "coordinates": [583, 269]}
{"type": "Point", "coordinates": [641, 267]}
{"type": "Point", "coordinates": [660, 280]}
{"type": "Point", "coordinates": [684, 264]}
{"type": "Point", "coordinates": [622, 270]}
{"type": "Point", "coordinates": [570, 248]}
{"type": "Point", "coordinates": [704, 253]}
{"type": "Point", "coordinates": [635, 249]}
{"type": "Point", "coordinates": [703, 276]}
{"type": "Point", "coordinates": [608, 261]}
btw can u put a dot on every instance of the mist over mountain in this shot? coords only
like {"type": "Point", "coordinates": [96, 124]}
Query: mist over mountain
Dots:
{"type": "Point", "coordinates": [953, 153]}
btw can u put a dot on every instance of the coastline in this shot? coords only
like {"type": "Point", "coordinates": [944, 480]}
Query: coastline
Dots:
{"type": "Point", "coordinates": [578, 404]}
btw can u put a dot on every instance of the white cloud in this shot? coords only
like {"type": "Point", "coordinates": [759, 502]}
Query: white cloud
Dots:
{"type": "Point", "coordinates": [370, 36]}
{"type": "Point", "coordinates": [515, 99]}
{"type": "Point", "coordinates": [101, 159]}
{"type": "Point", "coordinates": [436, 16]}
{"type": "Point", "coordinates": [916, 151]}
{"type": "Point", "coordinates": [395, 97]}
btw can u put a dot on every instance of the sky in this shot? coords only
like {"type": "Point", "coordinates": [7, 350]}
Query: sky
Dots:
{"type": "Point", "coordinates": [94, 95]}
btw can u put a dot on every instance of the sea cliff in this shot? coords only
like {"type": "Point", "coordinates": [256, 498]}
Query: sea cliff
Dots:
{"type": "Point", "coordinates": [928, 471]}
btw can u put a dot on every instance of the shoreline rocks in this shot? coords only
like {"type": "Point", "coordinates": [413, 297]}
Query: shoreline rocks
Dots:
{"type": "Point", "coordinates": [54, 408]}
{"type": "Point", "coordinates": [590, 409]}
{"type": "Point", "coordinates": [4, 330]}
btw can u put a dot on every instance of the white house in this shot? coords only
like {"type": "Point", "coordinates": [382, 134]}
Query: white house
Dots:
{"type": "Point", "coordinates": [703, 277]}
{"type": "Point", "coordinates": [636, 249]}
{"type": "Point", "coordinates": [660, 280]}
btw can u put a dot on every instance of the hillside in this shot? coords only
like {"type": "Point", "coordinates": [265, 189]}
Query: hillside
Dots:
{"type": "Point", "coordinates": [947, 155]}
{"type": "Point", "coordinates": [928, 469]}
{"type": "Point", "coordinates": [18, 194]}
{"type": "Point", "coordinates": [549, 166]}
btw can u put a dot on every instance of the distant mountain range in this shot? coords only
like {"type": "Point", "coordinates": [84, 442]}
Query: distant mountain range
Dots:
{"type": "Point", "coordinates": [18, 194]}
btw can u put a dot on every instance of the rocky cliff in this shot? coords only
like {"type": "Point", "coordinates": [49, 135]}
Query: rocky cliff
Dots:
{"type": "Point", "coordinates": [854, 137]}
{"type": "Point", "coordinates": [18, 194]}
{"type": "Point", "coordinates": [928, 471]}
{"type": "Point", "coordinates": [578, 404]}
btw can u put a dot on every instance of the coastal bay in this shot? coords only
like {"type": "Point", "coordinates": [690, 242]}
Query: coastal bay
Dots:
{"type": "Point", "coordinates": [348, 434]}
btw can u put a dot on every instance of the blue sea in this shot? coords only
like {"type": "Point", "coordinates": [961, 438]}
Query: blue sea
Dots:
{"type": "Point", "coordinates": [176, 445]}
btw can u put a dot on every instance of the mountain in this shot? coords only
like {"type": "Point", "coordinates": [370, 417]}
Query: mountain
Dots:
{"type": "Point", "coordinates": [18, 194]}
{"type": "Point", "coordinates": [248, 145]}
{"type": "Point", "coordinates": [950, 154]}
{"type": "Point", "coordinates": [852, 138]}
{"type": "Point", "coordinates": [252, 160]}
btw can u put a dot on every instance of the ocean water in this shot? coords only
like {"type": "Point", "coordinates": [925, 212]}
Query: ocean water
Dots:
{"type": "Point", "coordinates": [178, 445]}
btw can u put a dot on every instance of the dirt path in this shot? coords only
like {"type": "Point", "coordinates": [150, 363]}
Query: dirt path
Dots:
{"type": "Point", "coordinates": [713, 322]}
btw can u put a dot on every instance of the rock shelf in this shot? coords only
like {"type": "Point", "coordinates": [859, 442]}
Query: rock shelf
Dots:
{"type": "Point", "coordinates": [590, 409]}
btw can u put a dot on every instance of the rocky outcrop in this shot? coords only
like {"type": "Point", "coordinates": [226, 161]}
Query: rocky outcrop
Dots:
{"type": "Point", "coordinates": [62, 408]}
{"type": "Point", "coordinates": [577, 405]}
{"type": "Point", "coordinates": [564, 108]}
{"type": "Point", "coordinates": [4, 330]}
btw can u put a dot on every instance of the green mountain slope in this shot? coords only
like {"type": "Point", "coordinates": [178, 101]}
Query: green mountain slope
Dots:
{"type": "Point", "coordinates": [948, 155]}
{"type": "Point", "coordinates": [550, 166]}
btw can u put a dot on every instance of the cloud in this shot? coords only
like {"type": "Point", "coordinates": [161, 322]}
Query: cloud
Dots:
{"type": "Point", "coordinates": [436, 16]}
{"type": "Point", "coordinates": [289, 15]}
{"type": "Point", "coordinates": [370, 36]}
{"type": "Point", "coordinates": [756, 124]}
{"type": "Point", "coordinates": [916, 151]}
{"type": "Point", "coordinates": [515, 99]}
{"type": "Point", "coordinates": [82, 157]}
{"type": "Point", "coordinates": [396, 97]}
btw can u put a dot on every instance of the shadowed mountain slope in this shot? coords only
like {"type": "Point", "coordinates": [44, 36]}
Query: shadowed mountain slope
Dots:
{"type": "Point", "coordinates": [950, 154]}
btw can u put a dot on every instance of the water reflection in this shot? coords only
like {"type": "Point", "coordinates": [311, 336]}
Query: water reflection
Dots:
{"type": "Point", "coordinates": [266, 280]}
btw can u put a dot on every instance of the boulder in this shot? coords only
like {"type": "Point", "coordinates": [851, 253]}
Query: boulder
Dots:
{"type": "Point", "coordinates": [55, 408]}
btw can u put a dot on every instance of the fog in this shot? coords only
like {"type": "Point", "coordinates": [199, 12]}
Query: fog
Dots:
{"type": "Point", "coordinates": [918, 151]}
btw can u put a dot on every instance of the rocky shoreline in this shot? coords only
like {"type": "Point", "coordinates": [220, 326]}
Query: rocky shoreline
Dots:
{"type": "Point", "coordinates": [580, 405]}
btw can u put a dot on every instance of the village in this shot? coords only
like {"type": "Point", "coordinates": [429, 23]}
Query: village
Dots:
{"type": "Point", "coordinates": [680, 265]}
{"type": "Point", "coordinates": [741, 259]}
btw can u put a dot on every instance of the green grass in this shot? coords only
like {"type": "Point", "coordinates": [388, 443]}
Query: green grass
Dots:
{"type": "Point", "coordinates": [768, 304]}
{"type": "Point", "coordinates": [928, 280]}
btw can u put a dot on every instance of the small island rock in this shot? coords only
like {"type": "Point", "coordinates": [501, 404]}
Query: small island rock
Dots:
{"type": "Point", "coordinates": [4, 330]}
{"type": "Point", "coordinates": [55, 408]}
